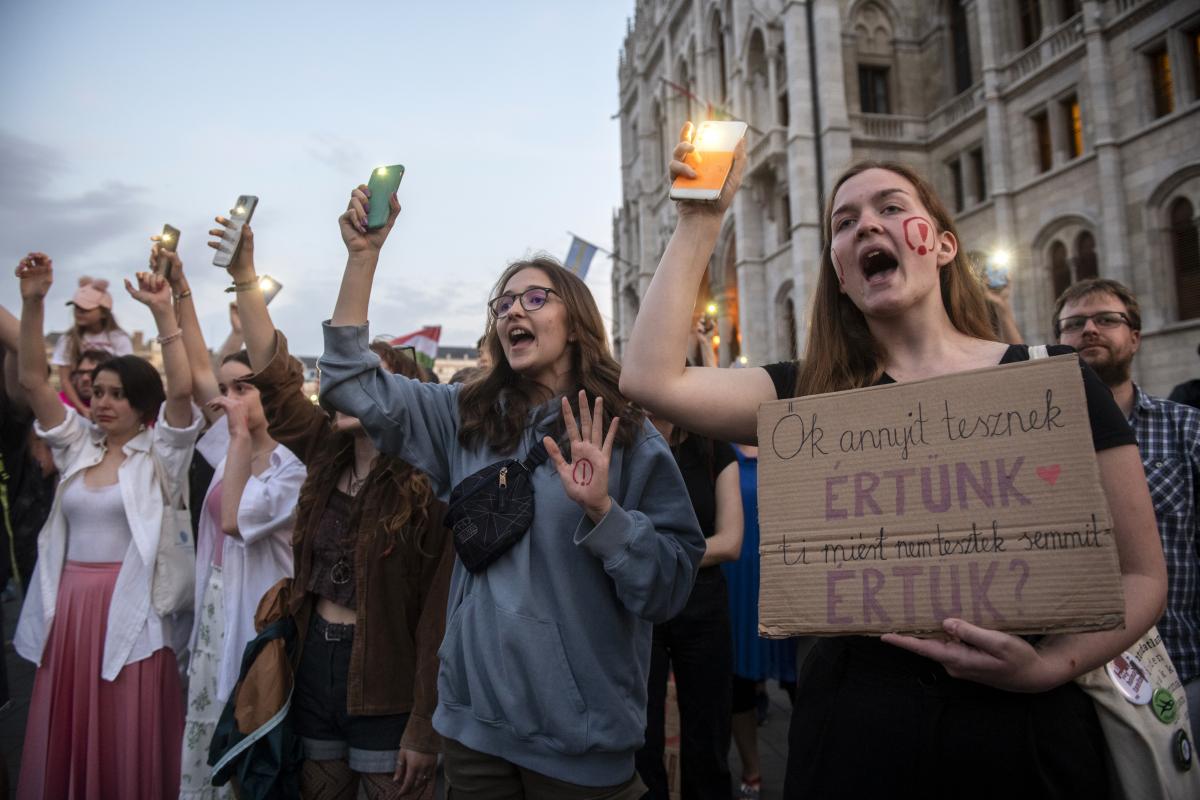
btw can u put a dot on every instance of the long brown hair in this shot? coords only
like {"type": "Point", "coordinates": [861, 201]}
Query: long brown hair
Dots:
{"type": "Point", "coordinates": [405, 494]}
{"type": "Point", "coordinates": [841, 352]}
{"type": "Point", "coordinates": [495, 405]}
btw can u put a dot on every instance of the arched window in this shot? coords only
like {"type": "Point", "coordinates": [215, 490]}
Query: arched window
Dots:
{"type": "Point", "coordinates": [961, 44]}
{"type": "Point", "coordinates": [1060, 270]}
{"type": "Point", "coordinates": [789, 329]}
{"type": "Point", "coordinates": [683, 101]}
{"type": "Point", "coordinates": [1086, 263]}
{"type": "Point", "coordinates": [762, 109]}
{"type": "Point", "coordinates": [658, 151]}
{"type": "Point", "coordinates": [782, 112]}
{"type": "Point", "coordinates": [718, 42]}
{"type": "Point", "coordinates": [1185, 255]}
{"type": "Point", "coordinates": [875, 52]}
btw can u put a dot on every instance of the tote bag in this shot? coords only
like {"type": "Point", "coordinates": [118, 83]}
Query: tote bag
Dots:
{"type": "Point", "coordinates": [174, 584]}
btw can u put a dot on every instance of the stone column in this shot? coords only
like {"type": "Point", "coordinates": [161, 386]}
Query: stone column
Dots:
{"type": "Point", "coordinates": [1113, 235]}
{"type": "Point", "coordinates": [801, 174]}
{"type": "Point", "coordinates": [1027, 282]}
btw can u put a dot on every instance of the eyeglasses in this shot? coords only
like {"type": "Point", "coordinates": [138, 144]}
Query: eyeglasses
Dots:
{"type": "Point", "coordinates": [1104, 319]}
{"type": "Point", "coordinates": [532, 299]}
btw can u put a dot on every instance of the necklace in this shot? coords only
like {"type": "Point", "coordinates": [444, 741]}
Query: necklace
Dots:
{"type": "Point", "coordinates": [342, 572]}
{"type": "Point", "coordinates": [354, 483]}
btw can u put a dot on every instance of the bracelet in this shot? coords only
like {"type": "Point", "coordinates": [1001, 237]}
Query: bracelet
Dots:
{"type": "Point", "coordinates": [183, 294]}
{"type": "Point", "coordinates": [246, 286]}
{"type": "Point", "coordinates": [166, 340]}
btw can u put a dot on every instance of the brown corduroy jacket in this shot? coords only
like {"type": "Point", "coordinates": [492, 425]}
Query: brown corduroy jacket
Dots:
{"type": "Point", "coordinates": [401, 595]}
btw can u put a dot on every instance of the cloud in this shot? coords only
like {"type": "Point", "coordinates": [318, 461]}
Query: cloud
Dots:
{"type": "Point", "coordinates": [335, 151]}
{"type": "Point", "coordinates": [68, 225]}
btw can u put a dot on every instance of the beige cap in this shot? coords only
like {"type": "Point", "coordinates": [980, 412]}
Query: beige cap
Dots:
{"type": "Point", "coordinates": [91, 294]}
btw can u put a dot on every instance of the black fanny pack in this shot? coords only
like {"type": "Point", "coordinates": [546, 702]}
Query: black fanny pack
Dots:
{"type": "Point", "coordinates": [491, 510]}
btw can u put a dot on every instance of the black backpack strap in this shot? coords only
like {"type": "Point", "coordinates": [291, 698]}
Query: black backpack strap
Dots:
{"type": "Point", "coordinates": [537, 456]}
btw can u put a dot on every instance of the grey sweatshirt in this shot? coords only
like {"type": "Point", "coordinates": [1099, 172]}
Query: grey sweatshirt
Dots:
{"type": "Point", "coordinates": [546, 652]}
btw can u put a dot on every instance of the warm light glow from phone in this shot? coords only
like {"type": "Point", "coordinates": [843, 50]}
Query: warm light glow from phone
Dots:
{"type": "Point", "coordinates": [166, 237]}
{"type": "Point", "coordinates": [266, 284]}
{"type": "Point", "coordinates": [999, 258]}
{"type": "Point", "coordinates": [717, 340]}
{"type": "Point", "coordinates": [711, 308]}
{"type": "Point", "coordinates": [381, 171]}
{"type": "Point", "coordinates": [743, 360]}
{"type": "Point", "coordinates": [240, 210]}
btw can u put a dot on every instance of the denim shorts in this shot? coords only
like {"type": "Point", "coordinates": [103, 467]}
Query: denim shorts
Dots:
{"type": "Point", "coordinates": [329, 732]}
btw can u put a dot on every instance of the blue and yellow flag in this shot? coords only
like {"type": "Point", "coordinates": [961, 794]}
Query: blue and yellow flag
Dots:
{"type": "Point", "coordinates": [579, 256]}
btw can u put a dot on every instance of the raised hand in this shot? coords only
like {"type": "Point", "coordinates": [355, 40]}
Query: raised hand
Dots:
{"type": "Point", "coordinates": [241, 269]}
{"type": "Point", "coordinates": [152, 290]}
{"type": "Point", "coordinates": [585, 477]}
{"type": "Point", "coordinates": [235, 413]}
{"type": "Point", "coordinates": [353, 222]}
{"type": "Point", "coordinates": [36, 272]}
{"type": "Point", "coordinates": [166, 263]}
{"type": "Point", "coordinates": [703, 207]}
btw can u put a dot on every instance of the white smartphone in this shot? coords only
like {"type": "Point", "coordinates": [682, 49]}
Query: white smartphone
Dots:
{"type": "Point", "coordinates": [712, 159]}
{"type": "Point", "coordinates": [239, 215]}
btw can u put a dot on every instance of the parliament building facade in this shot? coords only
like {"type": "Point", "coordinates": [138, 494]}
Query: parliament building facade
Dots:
{"type": "Point", "coordinates": [1064, 133]}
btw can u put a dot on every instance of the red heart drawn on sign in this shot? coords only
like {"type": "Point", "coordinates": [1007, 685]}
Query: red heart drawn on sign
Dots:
{"type": "Point", "coordinates": [1049, 474]}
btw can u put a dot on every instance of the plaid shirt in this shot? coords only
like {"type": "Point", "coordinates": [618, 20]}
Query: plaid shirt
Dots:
{"type": "Point", "coordinates": [1168, 437]}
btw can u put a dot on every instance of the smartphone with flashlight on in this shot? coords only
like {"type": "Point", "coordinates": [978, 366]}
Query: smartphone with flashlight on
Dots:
{"type": "Point", "coordinates": [270, 287]}
{"type": "Point", "coordinates": [996, 276]}
{"type": "Point", "coordinates": [712, 159]}
{"type": "Point", "coordinates": [167, 240]}
{"type": "Point", "coordinates": [239, 215]}
{"type": "Point", "coordinates": [382, 185]}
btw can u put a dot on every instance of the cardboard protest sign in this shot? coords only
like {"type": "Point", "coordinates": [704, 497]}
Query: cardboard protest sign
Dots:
{"type": "Point", "coordinates": [975, 495]}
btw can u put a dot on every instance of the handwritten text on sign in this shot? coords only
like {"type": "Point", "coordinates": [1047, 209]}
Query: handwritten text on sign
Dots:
{"type": "Point", "coordinates": [975, 495]}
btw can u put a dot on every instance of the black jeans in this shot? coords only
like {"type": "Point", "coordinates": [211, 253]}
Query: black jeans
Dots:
{"type": "Point", "coordinates": [698, 645]}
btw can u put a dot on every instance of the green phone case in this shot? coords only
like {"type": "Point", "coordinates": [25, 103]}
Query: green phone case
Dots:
{"type": "Point", "coordinates": [384, 181]}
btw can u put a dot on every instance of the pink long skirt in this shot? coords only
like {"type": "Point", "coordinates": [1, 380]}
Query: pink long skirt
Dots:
{"type": "Point", "coordinates": [89, 738]}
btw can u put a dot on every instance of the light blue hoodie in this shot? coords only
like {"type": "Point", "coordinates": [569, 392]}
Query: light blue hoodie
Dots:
{"type": "Point", "coordinates": [546, 652]}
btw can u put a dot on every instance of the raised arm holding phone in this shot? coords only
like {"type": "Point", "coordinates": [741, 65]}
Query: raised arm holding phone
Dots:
{"type": "Point", "coordinates": [244, 540]}
{"type": "Point", "coordinates": [379, 625]}
{"type": "Point", "coordinates": [88, 622]}
{"type": "Point", "coordinates": [887, 310]}
{"type": "Point", "coordinates": [610, 547]}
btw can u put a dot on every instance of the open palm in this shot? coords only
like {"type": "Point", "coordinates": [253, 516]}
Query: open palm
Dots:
{"type": "Point", "coordinates": [585, 476]}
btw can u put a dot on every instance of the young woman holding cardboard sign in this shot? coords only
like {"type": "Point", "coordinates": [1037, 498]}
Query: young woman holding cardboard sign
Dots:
{"type": "Point", "coordinates": [895, 301]}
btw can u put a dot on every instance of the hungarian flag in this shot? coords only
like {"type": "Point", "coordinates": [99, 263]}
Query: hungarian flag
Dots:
{"type": "Point", "coordinates": [424, 342]}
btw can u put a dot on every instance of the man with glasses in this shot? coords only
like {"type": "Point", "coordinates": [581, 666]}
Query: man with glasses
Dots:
{"type": "Point", "coordinates": [81, 378]}
{"type": "Point", "coordinates": [1101, 319]}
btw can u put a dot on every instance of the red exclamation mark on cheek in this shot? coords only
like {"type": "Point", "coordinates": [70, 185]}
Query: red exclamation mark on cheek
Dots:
{"type": "Point", "coordinates": [923, 230]}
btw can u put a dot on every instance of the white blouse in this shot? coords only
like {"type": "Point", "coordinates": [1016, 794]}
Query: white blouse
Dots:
{"type": "Point", "coordinates": [134, 630]}
{"type": "Point", "coordinates": [255, 562]}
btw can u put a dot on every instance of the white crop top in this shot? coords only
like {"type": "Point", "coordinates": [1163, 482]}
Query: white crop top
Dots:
{"type": "Point", "coordinates": [97, 530]}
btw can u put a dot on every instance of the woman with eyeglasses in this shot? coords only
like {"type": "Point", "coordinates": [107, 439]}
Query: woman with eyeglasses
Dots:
{"type": "Point", "coordinates": [980, 713]}
{"type": "Point", "coordinates": [372, 566]}
{"type": "Point", "coordinates": [542, 687]}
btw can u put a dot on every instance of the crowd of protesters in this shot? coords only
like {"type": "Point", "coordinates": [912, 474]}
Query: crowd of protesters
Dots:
{"type": "Point", "coordinates": [539, 669]}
